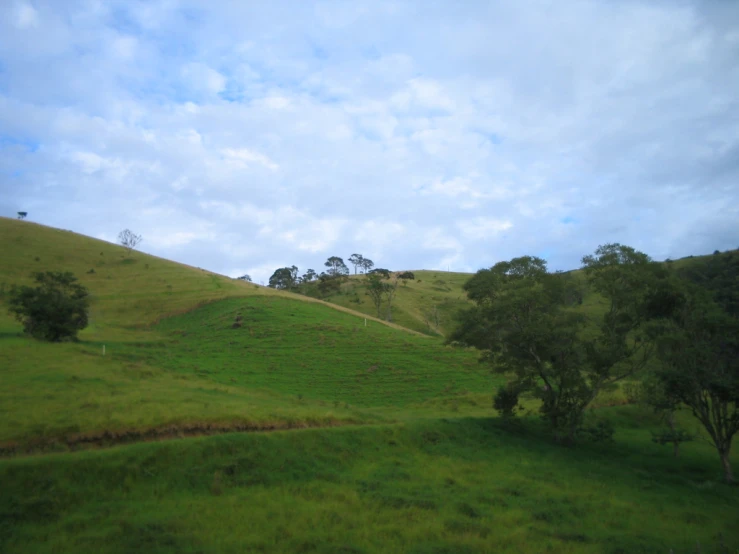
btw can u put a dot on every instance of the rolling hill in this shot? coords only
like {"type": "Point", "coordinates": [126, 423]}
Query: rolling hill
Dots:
{"type": "Point", "coordinates": [402, 454]}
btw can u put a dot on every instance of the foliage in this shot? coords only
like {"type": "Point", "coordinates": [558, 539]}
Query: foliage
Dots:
{"type": "Point", "coordinates": [357, 260]}
{"type": "Point", "coordinates": [309, 276]}
{"type": "Point", "coordinates": [406, 275]}
{"type": "Point", "coordinates": [367, 265]}
{"type": "Point", "coordinates": [699, 355]}
{"type": "Point", "coordinates": [22, 215]}
{"type": "Point", "coordinates": [380, 271]}
{"type": "Point", "coordinates": [601, 430]}
{"type": "Point", "coordinates": [375, 285]}
{"type": "Point", "coordinates": [336, 267]}
{"type": "Point", "coordinates": [285, 278]}
{"type": "Point", "coordinates": [328, 283]}
{"type": "Point", "coordinates": [245, 277]}
{"type": "Point", "coordinates": [129, 240]}
{"type": "Point", "coordinates": [54, 310]}
{"type": "Point", "coordinates": [506, 400]}
{"type": "Point", "coordinates": [523, 323]}
{"type": "Point", "coordinates": [520, 324]}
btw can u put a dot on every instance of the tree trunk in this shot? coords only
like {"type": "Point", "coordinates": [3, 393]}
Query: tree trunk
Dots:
{"type": "Point", "coordinates": [671, 423]}
{"type": "Point", "coordinates": [728, 474]}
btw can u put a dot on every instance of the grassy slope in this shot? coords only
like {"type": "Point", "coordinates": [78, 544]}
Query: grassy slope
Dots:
{"type": "Point", "coordinates": [414, 300]}
{"type": "Point", "coordinates": [449, 486]}
{"type": "Point", "coordinates": [300, 362]}
{"type": "Point", "coordinates": [428, 485]}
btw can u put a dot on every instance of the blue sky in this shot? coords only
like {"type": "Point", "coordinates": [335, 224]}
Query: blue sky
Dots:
{"type": "Point", "coordinates": [246, 136]}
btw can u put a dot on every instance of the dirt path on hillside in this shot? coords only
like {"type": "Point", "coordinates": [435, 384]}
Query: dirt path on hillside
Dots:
{"type": "Point", "coordinates": [109, 439]}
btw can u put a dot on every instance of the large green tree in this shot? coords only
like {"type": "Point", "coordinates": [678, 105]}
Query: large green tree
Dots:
{"type": "Point", "coordinates": [54, 310]}
{"type": "Point", "coordinates": [525, 324]}
{"type": "Point", "coordinates": [284, 278]}
{"type": "Point", "coordinates": [698, 347]}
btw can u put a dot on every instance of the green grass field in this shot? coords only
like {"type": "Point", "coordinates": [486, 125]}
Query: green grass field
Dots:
{"type": "Point", "coordinates": [361, 438]}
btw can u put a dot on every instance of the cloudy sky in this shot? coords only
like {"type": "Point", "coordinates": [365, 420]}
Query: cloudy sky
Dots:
{"type": "Point", "coordinates": [244, 136]}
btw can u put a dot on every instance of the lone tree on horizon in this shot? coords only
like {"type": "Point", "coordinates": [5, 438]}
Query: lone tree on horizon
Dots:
{"type": "Point", "coordinates": [22, 215]}
{"type": "Point", "coordinates": [129, 240]}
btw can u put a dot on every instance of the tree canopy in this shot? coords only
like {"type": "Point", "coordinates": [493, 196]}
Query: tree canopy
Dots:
{"type": "Point", "coordinates": [523, 323]}
{"type": "Point", "coordinates": [284, 278]}
{"type": "Point", "coordinates": [54, 310]}
{"type": "Point", "coordinates": [336, 267]}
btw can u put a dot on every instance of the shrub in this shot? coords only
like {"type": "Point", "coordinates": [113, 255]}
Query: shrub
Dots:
{"type": "Point", "coordinates": [601, 431]}
{"type": "Point", "coordinates": [54, 310]}
{"type": "Point", "coordinates": [506, 401]}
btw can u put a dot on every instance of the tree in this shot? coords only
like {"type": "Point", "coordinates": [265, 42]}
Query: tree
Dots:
{"type": "Point", "coordinates": [698, 347]}
{"type": "Point", "coordinates": [129, 240]}
{"type": "Point", "coordinates": [284, 278]}
{"type": "Point", "coordinates": [367, 264]}
{"type": "Point", "coordinates": [391, 287]}
{"type": "Point", "coordinates": [432, 317]}
{"type": "Point", "coordinates": [407, 275]}
{"type": "Point", "coordinates": [245, 277]}
{"type": "Point", "coordinates": [376, 286]}
{"type": "Point", "coordinates": [308, 276]}
{"type": "Point", "coordinates": [22, 215]}
{"type": "Point", "coordinates": [328, 283]}
{"type": "Point", "coordinates": [523, 323]}
{"type": "Point", "coordinates": [356, 260]}
{"type": "Point", "coordinates": [336, 267]}
{"type": "Point", "coordinates": [54, 310]}
{"type": "Point", "coordinates": [665, 403]}
{"type": "Point", "coordinates": [380, 271]}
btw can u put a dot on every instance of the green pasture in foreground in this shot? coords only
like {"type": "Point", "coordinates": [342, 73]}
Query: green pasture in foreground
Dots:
{"type": "Point", "coordinates": [446, 486]}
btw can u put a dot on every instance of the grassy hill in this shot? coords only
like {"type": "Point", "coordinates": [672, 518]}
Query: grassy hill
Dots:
{"type": "Point", "coordinates": [404, 455]}
{"type": "Point", "coordinates": [429, 303]}
{"type": "Point", "coordinates": [174, 362]}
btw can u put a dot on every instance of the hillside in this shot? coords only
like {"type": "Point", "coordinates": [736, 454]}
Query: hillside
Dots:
{"type": "Point", "coordinates": [428, 304]}
{"type": "Point", "coordinates": [402, 454]}
{"type": "Point", "coordinates": [294, 362]}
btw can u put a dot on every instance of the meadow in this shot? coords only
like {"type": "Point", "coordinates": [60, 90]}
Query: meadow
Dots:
{"type": "Point", "coordinates": [228, 417]}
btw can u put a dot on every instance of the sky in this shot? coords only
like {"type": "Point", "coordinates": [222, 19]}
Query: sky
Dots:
{"type": "Point", "coordinates": [245, 136]}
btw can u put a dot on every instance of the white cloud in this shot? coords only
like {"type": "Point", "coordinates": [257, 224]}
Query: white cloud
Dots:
{"type": "Point", "coordinates": [243, 158]}
{"type": "Point", "coordinates": [286, 143]}
{"type": "Point", "coordinates": [26, 16]}
{"type": "Point", "coordinates": [481, 228]}
{"type": "Point", "coordinates": [200, 77]}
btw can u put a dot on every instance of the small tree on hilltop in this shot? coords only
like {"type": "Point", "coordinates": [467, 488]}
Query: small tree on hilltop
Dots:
{"type": "Point", "coordinates": [309, 276]}
{"type": "Point", "coordinates": [22, 215]}
{"type": "Point", "coordinates": [356, 260]}
{"type": "Point", "coordinates": [284, 278]}
{"type": "Point", "coordinates": [245, 277]}
{"type": "Point", "coordinates": [367, 264]}
{"type": "Point", "coordinates": [55, 310]}
{"type": "Point", "coordinates": [336, 267]}
{"type": "Point", "coordinates": [129, 240]}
